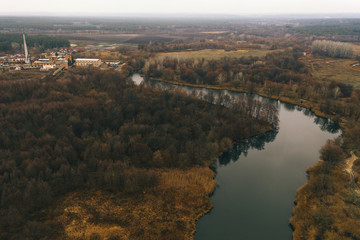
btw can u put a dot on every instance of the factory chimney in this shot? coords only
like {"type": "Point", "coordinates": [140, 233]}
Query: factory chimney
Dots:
{"type": "Point", "coordinates": [27, 58]}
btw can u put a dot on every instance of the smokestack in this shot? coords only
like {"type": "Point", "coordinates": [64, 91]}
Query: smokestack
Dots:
{"type": "Point", "coordinates": [27, 59]}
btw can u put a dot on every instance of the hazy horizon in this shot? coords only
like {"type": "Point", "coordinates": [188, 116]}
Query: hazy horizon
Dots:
{"type": "Point", "coordinates": [182, 15]}
{"type": "Point", "coordinates": [185, 7]}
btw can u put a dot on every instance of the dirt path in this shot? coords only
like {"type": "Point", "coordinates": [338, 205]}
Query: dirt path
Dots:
{"type": "Point", "coordinates": [350, 162]}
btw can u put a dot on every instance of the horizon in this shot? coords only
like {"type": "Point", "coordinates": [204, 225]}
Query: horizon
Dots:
{"type": "Point", "coordinates": [181, 15]}
{"type": "Point", "coordinates": [186, 7]}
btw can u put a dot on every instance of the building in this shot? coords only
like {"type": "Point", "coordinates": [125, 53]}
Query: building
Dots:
{"type": "Point", "coordinates": [86, 62]}
{"type": "Point", "coordinates": [51, 63]}
{"type": "Point", "coordinates": [112, 63]}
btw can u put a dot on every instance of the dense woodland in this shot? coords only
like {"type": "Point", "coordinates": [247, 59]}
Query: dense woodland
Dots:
{"type": "Point", "coordinates": [329, 27]}
{"type": "Point", "coordinates": [97, 129]}
{"type": "Point", "coordinates": [234, 71]}
{"type": "Point", "coordinates": [11, 42]}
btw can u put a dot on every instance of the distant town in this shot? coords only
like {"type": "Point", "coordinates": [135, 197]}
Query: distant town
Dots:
{"type": "Point", "coordinates": [56, 61]}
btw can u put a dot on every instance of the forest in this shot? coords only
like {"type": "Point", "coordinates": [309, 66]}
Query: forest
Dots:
{"type": "Point", "coordinates": [8, 41]}
{"type": "Point", "coordinates": [99, 130]}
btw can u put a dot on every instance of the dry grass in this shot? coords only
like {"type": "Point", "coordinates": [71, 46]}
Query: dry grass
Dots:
{"type": "Point", "coordinates": [215, 53]}
{"type": "Point", "coordinates": [183, 179]}
{"type": "Point", "coordinates": [356, 48]}
{"type": "Point", "coordinates": [168, 211]}
{"type": "Point", "coordinates": [332, 69]}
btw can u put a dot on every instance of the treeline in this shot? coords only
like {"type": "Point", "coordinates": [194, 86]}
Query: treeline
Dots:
{"type": "Point", "coordinates": [265, 112]}
{"type": "Point", "coordinates": [193, 46]}
{"type": "Point", "coordinates": [321, 29]}
{"type": "Point", "coordinates": [282, 67]}
{"type": "Point", "coordinates": [42, 41]}
{"type": "Point", "coordinates": [332, 49]}
{"type": "Point", "coordinates": [97, 129]}
{"type": "Point", "coordinates": [226, 41]}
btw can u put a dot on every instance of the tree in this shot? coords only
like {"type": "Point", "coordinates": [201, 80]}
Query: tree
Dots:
{"type": "Point", "coordinates": [331, 152]}
{"type": "Point", "coordinates": [332, 49]}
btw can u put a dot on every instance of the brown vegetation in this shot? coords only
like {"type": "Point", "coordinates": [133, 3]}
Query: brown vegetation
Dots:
{"type": "Point", "coordinates": [167, 211]}
{"type": "Point", "coordinates": [97, 130]}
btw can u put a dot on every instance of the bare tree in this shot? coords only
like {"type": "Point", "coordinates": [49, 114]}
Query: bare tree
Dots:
{"type": "Point", "coordinates": [332, 49]}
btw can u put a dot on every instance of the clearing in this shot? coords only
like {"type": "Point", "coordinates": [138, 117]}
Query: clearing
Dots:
{"type": "Point", "coordinates": [333, 69]}
{"type": "Point", "coordinates": [349, 163]}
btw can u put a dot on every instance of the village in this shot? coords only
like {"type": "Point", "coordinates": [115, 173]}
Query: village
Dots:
{"type": "Point", "coordinates": [55, 60]}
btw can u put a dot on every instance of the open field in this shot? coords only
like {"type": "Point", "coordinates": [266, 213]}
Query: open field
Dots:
{"type": "Point", "coordinates": [113, 37]}
{"type": "Point", "coordinates": [357, 48]}
{"type": "Point", "coordinates": [96, 46]}
{"type": "Point", "coordinates": [216, 53]}
{"type": "Point", "coordinates": [332, 69]}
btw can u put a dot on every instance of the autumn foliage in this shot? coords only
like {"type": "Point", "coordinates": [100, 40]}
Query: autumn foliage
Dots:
{"type": "Point", "coordinates": [98, 130]}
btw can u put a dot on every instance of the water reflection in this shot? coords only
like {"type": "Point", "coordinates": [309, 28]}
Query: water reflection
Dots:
{"type": "Point", "coordinates": [308, 112]}
{"type": "Point", "coordinates": [327, 125]}
{"type": "Point", "coordinates": [242, 147]}
{"type": "Point", "coordinates": [289, 107]}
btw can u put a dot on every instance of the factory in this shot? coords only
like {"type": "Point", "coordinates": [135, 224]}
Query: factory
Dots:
{"type": "Point", "coordinates": [58, 59]}
{"type": "Point", "coordinates": [87, 62]}
{"type": "Point", "coordinates": [52, 62]}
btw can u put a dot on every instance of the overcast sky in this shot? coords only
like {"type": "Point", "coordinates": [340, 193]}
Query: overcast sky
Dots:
{"type": "Point", "coordinates": [181, 6]}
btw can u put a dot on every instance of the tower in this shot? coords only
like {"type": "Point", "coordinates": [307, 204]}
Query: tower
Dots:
{"type": "Point", "coordinates": [27, 58]}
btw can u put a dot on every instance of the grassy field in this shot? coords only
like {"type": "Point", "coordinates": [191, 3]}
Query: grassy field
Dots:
{"type": "Point", "coordinates": [215, 53]}
{"type": "Point", "coordinates": [332, 69]}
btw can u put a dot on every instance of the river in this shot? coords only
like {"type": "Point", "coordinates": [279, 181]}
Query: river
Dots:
{"type": "Point", "coordinates": [257, 179]}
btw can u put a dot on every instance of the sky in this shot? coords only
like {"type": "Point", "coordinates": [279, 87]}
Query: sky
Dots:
{"type": "Point", "coordinates": [236, 7]}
